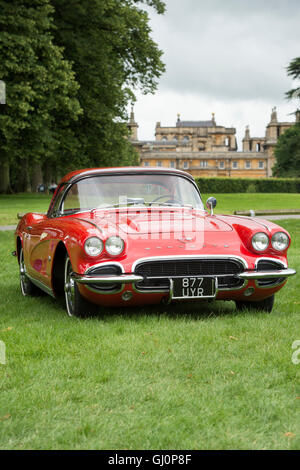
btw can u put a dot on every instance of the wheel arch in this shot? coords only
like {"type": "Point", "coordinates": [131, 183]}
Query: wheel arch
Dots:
{"type": "Point", "coordinates": [18, 247]}
{"type": "Point", "coordinates": [58, 266]}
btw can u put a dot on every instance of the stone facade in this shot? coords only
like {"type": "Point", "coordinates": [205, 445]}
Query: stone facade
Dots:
{"type": "Point", "coordinates": [204, 148]}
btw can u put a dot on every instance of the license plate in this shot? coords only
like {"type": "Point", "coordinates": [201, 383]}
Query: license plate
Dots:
{"type": "Point", "coordinates": [194, 287]}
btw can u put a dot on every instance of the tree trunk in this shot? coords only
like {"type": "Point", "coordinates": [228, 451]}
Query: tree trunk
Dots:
{"type": "Point", "coordinates": [36, 177]}
{"type": "Point", "coordinates": [47, 173]}
{"type": "Point", "coordinates": [4, 175]}
{"type": "Point", "coordinates": [27, 188]}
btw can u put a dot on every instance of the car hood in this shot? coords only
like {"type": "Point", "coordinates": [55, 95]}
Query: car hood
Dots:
{"type": "Point", "coordinates": [159, 221]}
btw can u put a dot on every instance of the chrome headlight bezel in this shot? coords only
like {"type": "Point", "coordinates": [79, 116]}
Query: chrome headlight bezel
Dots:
{"type": "Point", "coordinates": [274, 242]}
{"type": "Point", "coordinates": [95, 250]}
{"type": "Point", "coordinates": [114, 245]}
{"type": "Point", "coordinates": [255, 240]}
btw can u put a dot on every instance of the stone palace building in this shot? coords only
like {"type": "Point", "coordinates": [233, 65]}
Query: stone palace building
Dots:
{"type": "Point", "coordinates": [204, 148]}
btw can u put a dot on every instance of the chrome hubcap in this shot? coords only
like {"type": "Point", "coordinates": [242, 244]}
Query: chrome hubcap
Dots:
{"type": "Point", "coordinates": [69, 288]}
{"type": "Point", "coordinates": [24, 281]}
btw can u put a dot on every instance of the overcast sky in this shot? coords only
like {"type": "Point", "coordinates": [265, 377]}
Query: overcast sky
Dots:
{"type": "Point", "coordinates": [223, 56]}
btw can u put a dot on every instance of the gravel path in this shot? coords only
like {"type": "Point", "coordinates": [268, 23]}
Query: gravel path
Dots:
{"type": "Point", "coordinates": [278, 217]}
{"type": "Point", "coordinates": [4, 228]}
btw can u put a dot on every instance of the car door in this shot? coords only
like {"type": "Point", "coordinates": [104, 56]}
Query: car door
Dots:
{"type": "Point", "coordinates": [38, 240]}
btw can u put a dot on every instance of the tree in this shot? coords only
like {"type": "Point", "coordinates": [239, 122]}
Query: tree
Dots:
{"type": "Point", "coordinates": [41, 92]}
{"type": "Point", "coordinates": [287, 153]}
{"type": "Point", "coordinates": [287, 150]}
{"type": "Point", "coordinates": [109, 44]}
{"type": "Point", "coordinates": [293, 70]}
{"type": "Point", "coordinates": [52, 51]}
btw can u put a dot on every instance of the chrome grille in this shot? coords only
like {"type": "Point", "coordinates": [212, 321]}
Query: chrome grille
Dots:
{"type": "Point", "coordinates": [158, 272]}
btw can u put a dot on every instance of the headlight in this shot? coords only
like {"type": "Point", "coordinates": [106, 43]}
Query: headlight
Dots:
{"type": "Point", "coordinates": [280, 241]}
{"type": "Point", "coordinates": [93, 246]}
{"type": "Point", "coordinates": [114, 246]}
{"type": "Point", "coordinates": [260, 241]}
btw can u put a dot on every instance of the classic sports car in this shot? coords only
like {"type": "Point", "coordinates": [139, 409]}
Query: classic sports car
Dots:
{"type": "Point", "coordinates": [138, 236]}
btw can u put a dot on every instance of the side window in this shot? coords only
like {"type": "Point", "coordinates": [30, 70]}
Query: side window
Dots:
{"type": "Point", "coordinates": [53, 212]}
{"type": "Point", "coordinates": [72, 200]}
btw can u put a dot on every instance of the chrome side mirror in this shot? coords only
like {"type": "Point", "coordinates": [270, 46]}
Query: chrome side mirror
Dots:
{"type": "Point", "coordinates": [211, 204]}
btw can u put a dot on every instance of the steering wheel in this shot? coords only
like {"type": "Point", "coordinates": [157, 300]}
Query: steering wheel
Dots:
{"type": "Point", "coordinates": [168, 201]}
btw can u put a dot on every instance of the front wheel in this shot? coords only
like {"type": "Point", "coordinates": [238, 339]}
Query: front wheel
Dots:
{"type": "Point", "coordinates": [265, 305]}
{"type": "Point", "coordinates": [76, 305]}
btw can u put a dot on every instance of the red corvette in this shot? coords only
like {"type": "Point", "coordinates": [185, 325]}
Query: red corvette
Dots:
{"type": "Point", "coordinates": [139, 236]}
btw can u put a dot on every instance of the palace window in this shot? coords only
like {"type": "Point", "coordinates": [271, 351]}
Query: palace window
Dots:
{"type": "Point", "coordinates": [186, 138]}
{"type": "Point", "coordinates": [164, 139]}
{"type": "Point", "coordinates": [146, 163]}
{"type": "Point", "coordinates": [261, 165]}
{"type": "Point", "coordinates": [221, 165]}
{"type": "Point", "coordinates": [258, 147]}
{"type": "Point", "coordinates": [247, 164]}
{"type": "Point", "coordinates": [227, 141]}
{"type": "Point", "coordinates": [235, 165]}
{"type": "Point", "coordinates": [172, 164]}
{"type": "Point", "coordinates": [185, 165]}
{"type": "Point", "coordinates": [203, 163]}
{"type": "Point", "coordinates": [159, 163]}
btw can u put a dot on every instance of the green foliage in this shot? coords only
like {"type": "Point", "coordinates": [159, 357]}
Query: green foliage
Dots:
{"type": "Point", "coordinates": [41, 88]}
{"type": "Point", "coordinates": [251, 188]}
{"type": "Point", "coordinates": [293, 70]}
{"type": "Point", "coordinates": [109, 44]}
{"type": "Point", "coordinates": [241, 185]}
{"type": "Point", "coordinates": [64, 60]}
{"type": "Point", "coordinates": [287, 153]}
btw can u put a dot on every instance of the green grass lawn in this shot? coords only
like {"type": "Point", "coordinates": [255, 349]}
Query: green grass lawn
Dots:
{"type": "Point", "coordinates": [10, 205]}
{"type": "Point", "coordinates": [227, 203]}
{"type": "Point", "coordinates": [203, 377]}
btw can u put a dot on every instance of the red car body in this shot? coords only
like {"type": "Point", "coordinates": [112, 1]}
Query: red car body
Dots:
{"type": "Point", "coordinates": [166, 246]}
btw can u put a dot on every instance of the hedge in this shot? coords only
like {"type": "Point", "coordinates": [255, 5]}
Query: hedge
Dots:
{"type": "Point", "coordinates": [251, 185]}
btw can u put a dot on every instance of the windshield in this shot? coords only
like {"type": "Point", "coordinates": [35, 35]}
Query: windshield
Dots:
{"type": "Point", "coordinates": [125, 190]}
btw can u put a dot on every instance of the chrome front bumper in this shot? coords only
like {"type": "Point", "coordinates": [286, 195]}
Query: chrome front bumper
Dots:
{"type": "Point", "coordinates": [107, 279]}
{"type": "Point", "coordinates": [133, 278]}
{"type": "Point", "coordinates": [278, 273]}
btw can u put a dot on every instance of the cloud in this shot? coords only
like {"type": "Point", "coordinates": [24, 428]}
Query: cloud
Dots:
{"type": "Point", "coordinates": [231, 48]}
{"type": "Point", "coordinates": [224, 56]}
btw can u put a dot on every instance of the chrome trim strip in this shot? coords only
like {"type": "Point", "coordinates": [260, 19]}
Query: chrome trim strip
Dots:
{"type": "Point", "coordinates": [107, 279]}
{"type": "Point", "coordinates": [106, 263]}
{"type": "Point", "coordinates": [171, 290]}
{"type": "Point", "coordinates": [87, 221]}
{"type": "Point", "coordinates": [261, 223]}
{"type": "Point", "coordinates": [41, 285]}
{"type": "Point", "coordinates": [249, 218]}
{"type": "Point", "coordinates": [265, 258]}
{"type": "Point", "coordinates": [105, 292]}
{"type": "Point", "coordinates": [267, 274]}
{"type": "Point", "coordinates": [187, 257]}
